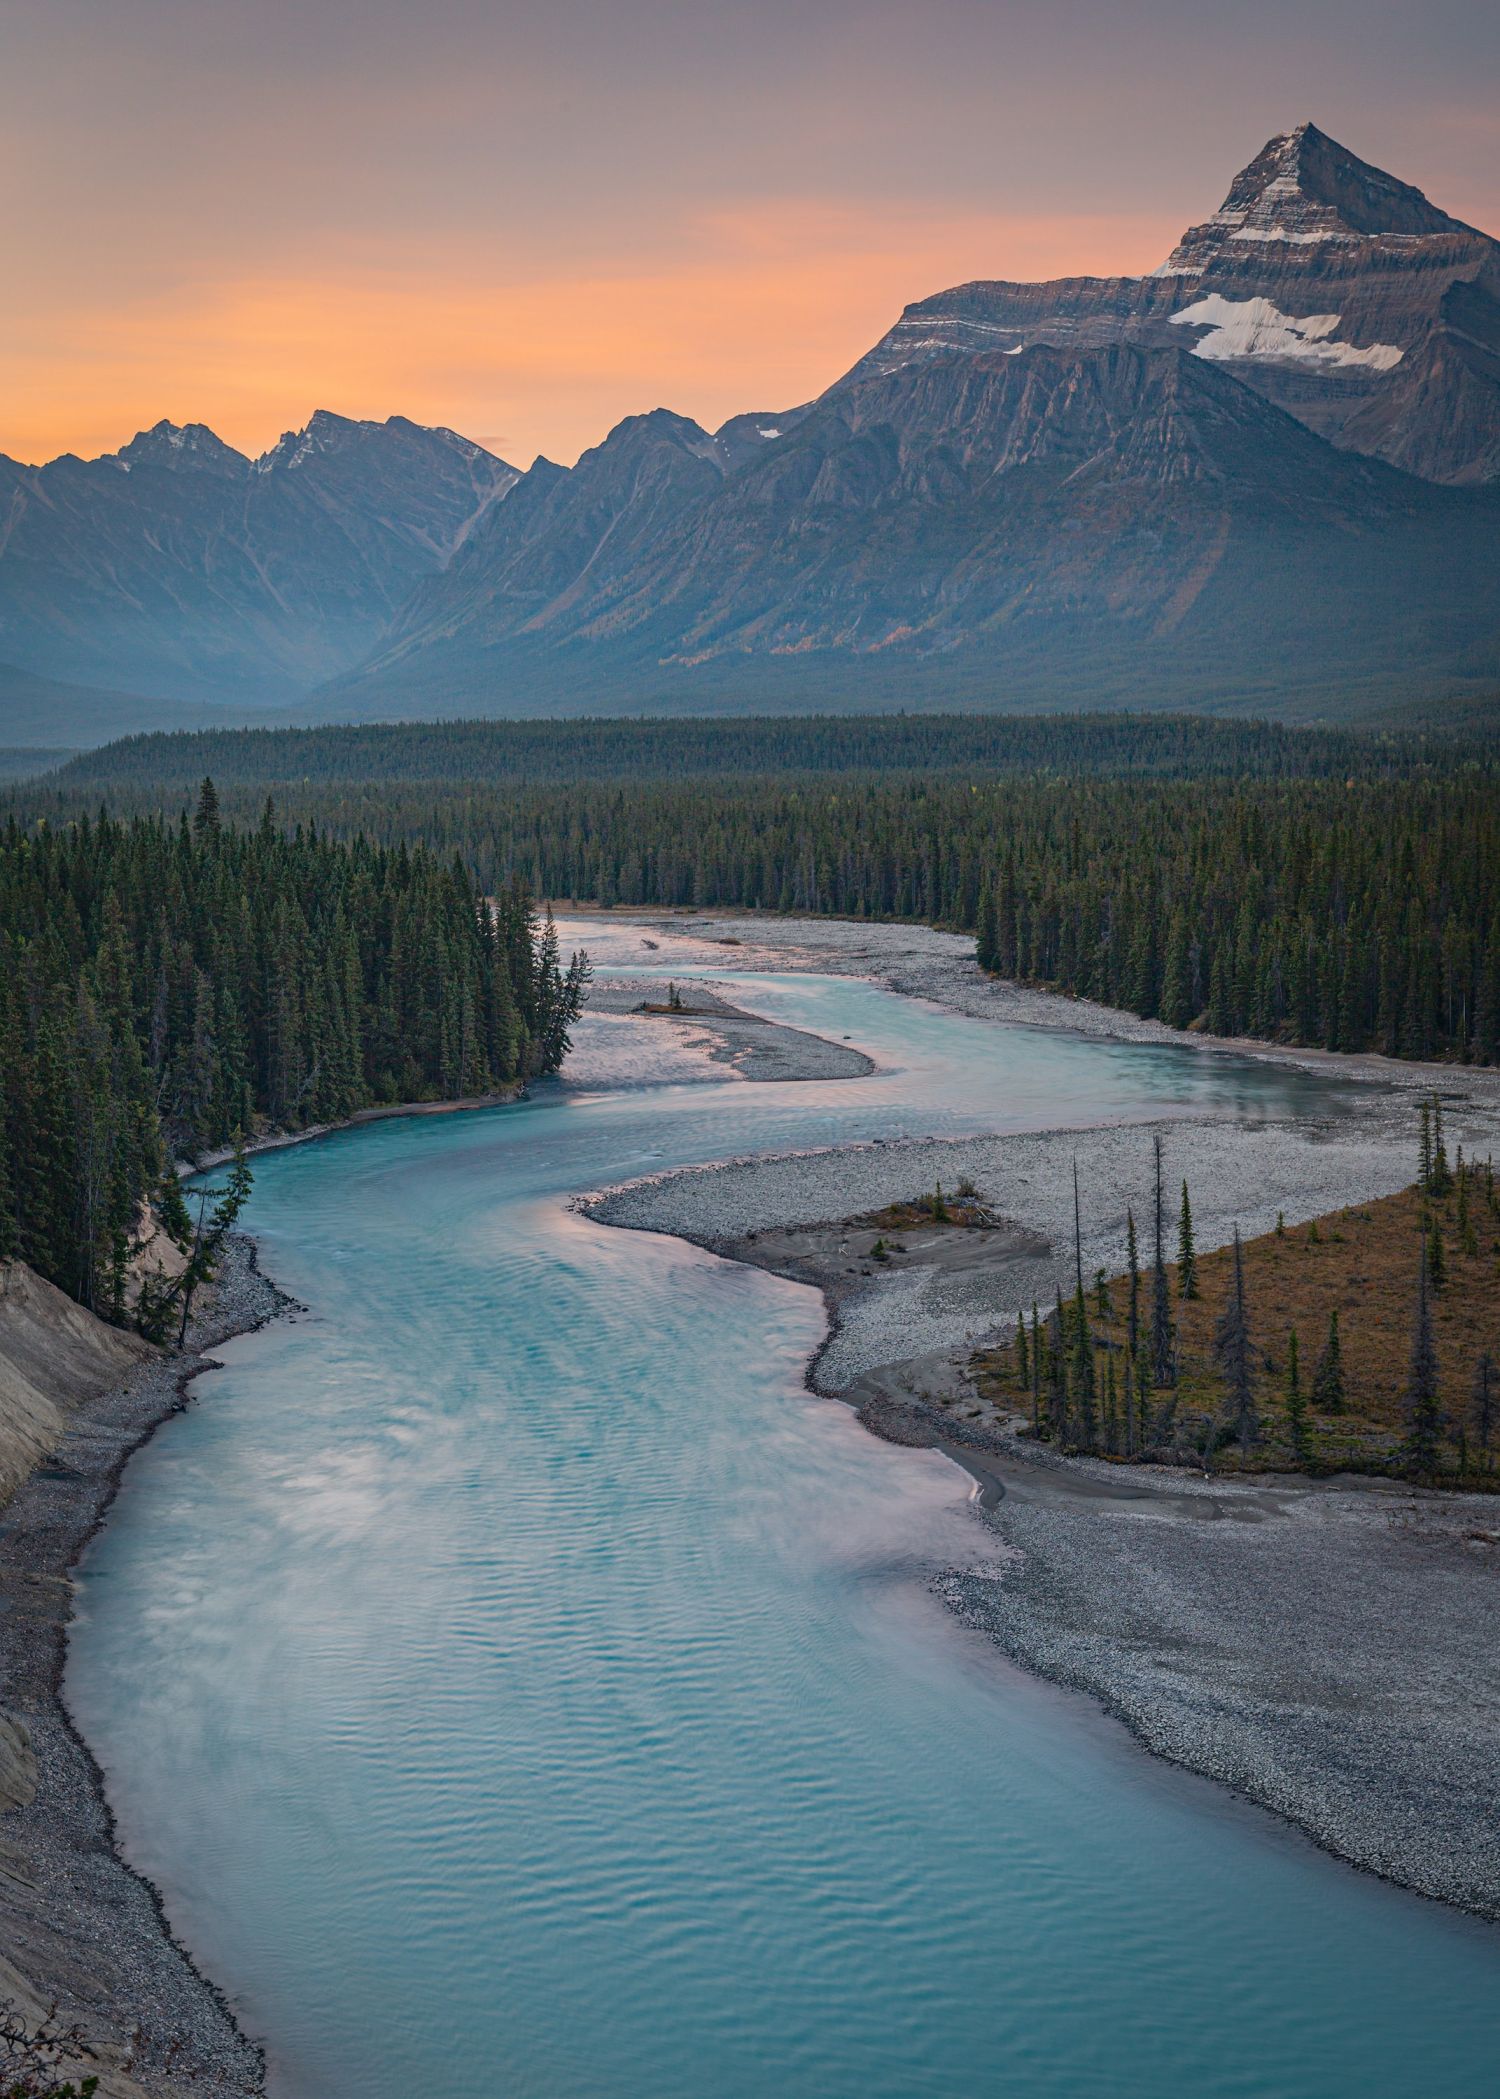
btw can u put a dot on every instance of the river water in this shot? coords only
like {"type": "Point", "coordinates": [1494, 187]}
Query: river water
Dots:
{"type": "Point", "coordinates": [517, 1684]}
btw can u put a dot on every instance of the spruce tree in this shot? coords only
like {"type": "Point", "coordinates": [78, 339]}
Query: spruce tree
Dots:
{"type": "Point", "coordinates": [1232, 1350]}
{"type": "Point", "coordinates": [1296, 1405]}
{"type": "Point", "coordinates": [1023, 1354]}
{"type": "Point", "coordinates": [1187, 1258]}
{"type": "Point", "coordinates": [1143, 1397]}
{"type": "Point", "coordinates": [1328, 1378]}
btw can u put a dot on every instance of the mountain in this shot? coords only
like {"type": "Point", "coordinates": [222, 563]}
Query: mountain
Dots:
{"type": "Point", "coordinates": [178, 567]}
{"type": "Point", "coordinates": [1268, 467]}
{"type": "Point", "coordinates": [1266, 474]}
{"type": "Point", "coordinates": [1321, 282]}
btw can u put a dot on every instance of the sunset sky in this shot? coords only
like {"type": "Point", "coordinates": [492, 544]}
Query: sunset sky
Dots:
{"type": "Point", "coordinates": [528, 222]}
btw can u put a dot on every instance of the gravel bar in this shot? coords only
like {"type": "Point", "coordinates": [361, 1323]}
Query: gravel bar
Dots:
{"type": "Point", "coordinates": [1325, 1649]}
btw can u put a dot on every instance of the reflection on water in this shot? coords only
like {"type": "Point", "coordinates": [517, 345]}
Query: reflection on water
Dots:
{"type": "Point", "coordinates": [519, 1685]}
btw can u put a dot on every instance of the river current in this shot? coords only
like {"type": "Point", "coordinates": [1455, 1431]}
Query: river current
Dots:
{"type": "Point", "coordinates": [518, 1684]}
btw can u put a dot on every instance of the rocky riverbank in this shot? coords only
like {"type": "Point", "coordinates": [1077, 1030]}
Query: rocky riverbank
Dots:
{"type": "Point", "coordinates": [82, 1933]}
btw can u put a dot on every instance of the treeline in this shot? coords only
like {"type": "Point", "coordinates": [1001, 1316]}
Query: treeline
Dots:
{"type": "Point", "coordinates": [167, 987]}
{"type": "Point", "coordinates": [479, 753]}
{"type": "Point", "coordinates": [1352, 915]}
{"type": "Point", "coordinates": [1353, 909]}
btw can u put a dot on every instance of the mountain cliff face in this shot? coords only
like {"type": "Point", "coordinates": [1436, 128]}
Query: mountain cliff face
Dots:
{"type": "Point", "coordinates": [178, 567]}
{"type": "Point", "coordinates": [1338, 292]}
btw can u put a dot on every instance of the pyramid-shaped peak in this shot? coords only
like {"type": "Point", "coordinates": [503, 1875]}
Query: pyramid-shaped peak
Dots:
{"type": "Point", "coordinates": [1303, 189]}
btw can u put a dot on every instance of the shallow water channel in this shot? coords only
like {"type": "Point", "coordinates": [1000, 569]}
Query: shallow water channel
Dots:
{"type": "Point", "coordinates": [518, 1684]}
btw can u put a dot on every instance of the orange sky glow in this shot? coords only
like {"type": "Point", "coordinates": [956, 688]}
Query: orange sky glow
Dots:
{"type": "Point", "coordinates": [755, 308]}
{"type": "Point", "coordinates": [527, 223]}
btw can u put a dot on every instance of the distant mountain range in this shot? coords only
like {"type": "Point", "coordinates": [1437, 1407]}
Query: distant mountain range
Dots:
{"type": "Point", "coordinates": [179, 568]}
{"type": "Point", "coordinates": [1267, 474]}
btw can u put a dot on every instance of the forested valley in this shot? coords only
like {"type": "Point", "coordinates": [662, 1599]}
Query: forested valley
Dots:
{"type": "Point", "coordinates": [170, 987]}
{"type": "Point", "coordinates": [1306, 886]}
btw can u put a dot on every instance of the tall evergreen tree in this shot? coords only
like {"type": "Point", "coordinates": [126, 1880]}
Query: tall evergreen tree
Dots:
{"type": "Point", "coordinates": [1187, 1257]}
{"type": "Point", "coordinates": [1328, 1377]}
{"type": "Point", "coordinates": [1296, 1405]}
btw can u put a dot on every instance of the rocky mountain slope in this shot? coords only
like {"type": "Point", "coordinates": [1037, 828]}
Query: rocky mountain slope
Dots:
{"type": "Point", "coordinates": [179, 568]}
{"type": "Point", "coordinates": [1269, 465]}
{"type": "Point", "coordinates": [966, 524]}
{"type": "Point", "coordinates": [1337, 291]}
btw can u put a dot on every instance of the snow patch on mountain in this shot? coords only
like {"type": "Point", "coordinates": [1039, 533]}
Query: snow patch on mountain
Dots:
{"type": "Point", "coordinates": [1256, 328]}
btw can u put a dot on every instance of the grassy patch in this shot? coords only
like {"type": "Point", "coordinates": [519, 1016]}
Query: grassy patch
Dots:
{"type": "Point", "coordinates": [1361, 1263]}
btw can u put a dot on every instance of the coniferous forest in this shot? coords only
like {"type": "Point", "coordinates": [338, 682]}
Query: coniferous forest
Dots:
{"type": "Point", "coordinates": [1309, 887]}
{"type": "Point", "coordinates": [168, 987]}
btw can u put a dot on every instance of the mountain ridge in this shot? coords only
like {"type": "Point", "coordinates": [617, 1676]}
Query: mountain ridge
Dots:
{"type": "Point", "coordinates": [1272, 461]}
{"type": "Point", "coordinates": [180, 568]}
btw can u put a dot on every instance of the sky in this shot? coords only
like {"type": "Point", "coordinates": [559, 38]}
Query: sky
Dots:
{"type": "Point", "coordinates": [526, 222]}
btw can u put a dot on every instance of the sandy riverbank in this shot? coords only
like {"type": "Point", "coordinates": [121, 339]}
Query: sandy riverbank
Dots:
{"type": "Point", "coordinates": [1325, 1650]}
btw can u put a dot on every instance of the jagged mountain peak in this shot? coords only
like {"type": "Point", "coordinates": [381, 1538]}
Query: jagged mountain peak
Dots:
{"type": "Point", "coordinates": [1304, 189]}
{"type": "Point", "coordinates": [181, 448]}
{"type": "Point", "coordinates": [322, 432]}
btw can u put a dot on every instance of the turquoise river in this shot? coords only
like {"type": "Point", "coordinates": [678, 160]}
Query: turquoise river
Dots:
{"type": "Point", "coordinates": [518, 1684]}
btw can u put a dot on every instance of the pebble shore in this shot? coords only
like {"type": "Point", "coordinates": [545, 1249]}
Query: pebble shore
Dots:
{"type": "Point", "coordinates": [1325, 1649]}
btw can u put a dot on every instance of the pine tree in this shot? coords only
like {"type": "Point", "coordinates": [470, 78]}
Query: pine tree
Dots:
{"type": "Point", "coordinates": [1023, 1354]}
{"type": "Point", "coordinates": [1232, 1350]}
{"type": "Point", "coordinates": [206, 822]}
{"type": "Point", "coordinates": [1187, 1258]}
{"type": "Point", "coordinates": [1328, 1378]}
{"type": "Point", "coordinates": [1424, 1421]}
